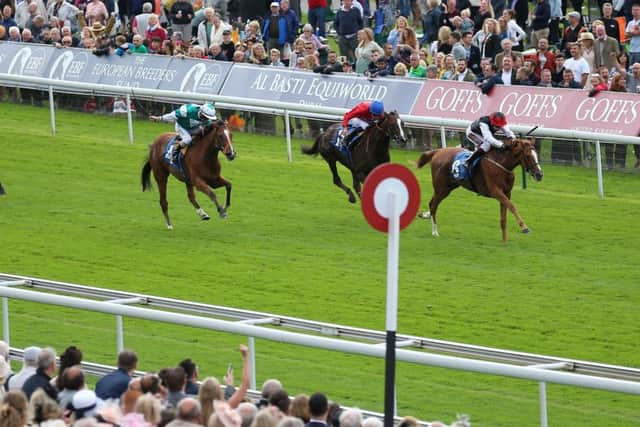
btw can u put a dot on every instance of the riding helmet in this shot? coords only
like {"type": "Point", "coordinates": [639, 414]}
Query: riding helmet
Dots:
{"type": "Point", "coordinates": [208, 110]}
{"type": "Point", "coordinates": [376, 108]}
{"type": "Point", "coordinates": [497, 119]}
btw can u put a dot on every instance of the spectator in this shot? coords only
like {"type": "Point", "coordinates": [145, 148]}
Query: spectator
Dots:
{"type": "Point", "coordinates": [69, 383]}
{"type": "Point", "coordinates": [522, 77]}
{"type": "Point", "coordinates": [140, 22]}
{"type": "Point", "coordinates": [258, 55]}
{"type": "Point", "coordinates": [610, 23]}
{"type": "Point", "coordinates": [247, 412]}
{"type": "Point", "coordinates": [29, 366]}
{"type": "Point", "coordinates": [66, 12]}
{"type": "Point", "coordinates": [280, 399]}
{"type": "Point", "coordinates": [463, 74]}
{"type": "Point", "coordinates": [266, 417]}
{"type": "Point", "coordinates": [300, 408]}
{"type": "Point", "coordinates": [112, 385]}
{"type": "Point", "coordinates": [188, 414]}
{"type": "Point", "coordinates": [191, 370]}
{"type": "Point", "coordinates": [558, 70]}
{"type": "Point", "coordinates": [508, 73]}
{"type": "Point", "coordinates": [268, 388]}
{"type": "Point", "coordinates": [95, 11]}
{"type": "Point", "coordinates": [366, 46]}
{"type": "Point", "coordinates": [154, 30]}
{"type": "Point", "coordinates": [351, 418]}
{"type": "Point", "coordinates": [293, 22]}
{"type": "Point", "coordinates": [316, 16]}
{"type": "Point", "coordinates": [44, 411]}
{"type": "Point", "coordinates": [42, 377]}
{"type": "Point", "coordinates": [633, 79]}
{"type": "Point", "coordinates": [540, 22]}
{"type": "Point", "coordinates": [375, 422]}
{"type": "Point", "coordinates": [308, 37]}
{"type": "Point", "coordinates": [252, 32]}
{"type": "Point", "coordinates": [586, 43]}
{"type": "Point", "coordinates": [180, 16]}
{"type": "Point", "coordinates": [150, 408]}
{"type": "Point", "coordinates": [275, 31]}
{"type": "Point", "coordinates": [24, 10]}
{"type": "Point", "coordinates": [449, 68]}
{"type": "Point", "coordinates": [490, 44]}
{"type": "Point", "coordinates": [431, 21]}
{"type": "Point", "coordinates": [239, 56]}
{"type": "Point", "coordinates": [417, 70]}
{"type": "Point", "coordinates": [400, 70]}
{"type": "Point", "coordinates": [515, 33]}
{"type": "Point", "coordinates": [545, 59]}
{"type": "Point", "coordinates": [556, 13]}
{"type": "Point", "coordinates": [568, 81]}
{"type": "Point", "coordinates": [176, 380]}
{"type": "Point", "coordinates": [472, 53]}
{"type": "Point", "coordinates": [332, 65]}
{"type": "Point", "coordinates": [606, 48]}
{"type": "Point", "coordinates": [443, 43]}
{"type": "Point", "coordinates": [632, 33]}
{"type": "Point", "coordinates": [545, 79]}
{"type": "Point", "coordinates": [348, 23]}
{"type": "Point", "coordinates": [318, 410]}
{"type": "Point", "coordinates": [7, 20]}
{"type": "Point", "coordinates": [489, 79]}
{"type": "Point", "coordinates": [85, 404]}
{"type": "Point", "coordinates": [577, 65]}
{"type": "Point", "coordinates": [572, 31]}
{"type": "Point", "coordinates": [485, 11]}
{"type": "Point", "coordinates": [507, 50]}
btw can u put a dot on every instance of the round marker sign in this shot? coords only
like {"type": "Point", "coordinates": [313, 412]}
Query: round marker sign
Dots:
{"type": "Point", "coordinates": [383, 180]}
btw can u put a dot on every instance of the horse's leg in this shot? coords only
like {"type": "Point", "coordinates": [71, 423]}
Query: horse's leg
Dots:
{"type": "Point", "coordinates": [192, 198]}
{"type": "Point", "coordinates": [506, 202]}
{"type": "Point", "coordinates": [356, 183]}
{"type": "Point", "coordinates": [219, 182]}
{"type": "Point", "coordinates": [204, 187]}
{"type": "Point", "coordinates": [161, 180]}
{"type": "Point", "coordinates": [438, 196]}
{"type": "Point", "coordinates": [503, 221]}
{"type": "Point", "coordinates": [338, 182]}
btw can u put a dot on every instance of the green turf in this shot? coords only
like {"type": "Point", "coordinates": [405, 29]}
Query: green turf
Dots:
{"type": "Point", "coordinates": [293, 245]}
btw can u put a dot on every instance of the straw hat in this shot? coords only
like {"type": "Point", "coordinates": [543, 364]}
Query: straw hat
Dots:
{"type": "Point", "coordinates": [97, 27]}
{"type": "Point", "coordinates": [586, 36]}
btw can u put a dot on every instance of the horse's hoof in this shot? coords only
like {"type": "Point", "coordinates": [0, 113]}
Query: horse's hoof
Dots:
{"type": "Point", "coordinates": [205, 217]}
{"type": "Point", "coordinates": [169, 227]}
{"type": "Point", "coordinates": [223, 215]}
{"type": "Point", "coordinates": [424, 215]}
{"type": "Point", "coordinates": [526, 231]}
{"type": "Point", "coordinates": [435, 234]}
{"type": "Point", "coordinates": [352, 198]}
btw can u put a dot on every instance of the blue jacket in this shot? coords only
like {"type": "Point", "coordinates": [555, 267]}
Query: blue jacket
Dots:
{"type": "Point", "coordinates": [112, 385]}
{"type": "Point", "coordinates": [542, 15]}
{"type": "Point", "coordinates": [292, 25]}
{"type": "Point", "coordinates": [282, 29]}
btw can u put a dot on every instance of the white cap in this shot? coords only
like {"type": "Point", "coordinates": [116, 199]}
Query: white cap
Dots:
{"type": "Point", "coordinates": [275, 4]}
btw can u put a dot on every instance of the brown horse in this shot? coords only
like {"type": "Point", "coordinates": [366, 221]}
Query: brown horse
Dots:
{"type": "Point", "coordinates": [201, 164]}
{"type": "Point", "coordinates": [368, 152]}
{"type": "Point", "coordinates": [493, 177]}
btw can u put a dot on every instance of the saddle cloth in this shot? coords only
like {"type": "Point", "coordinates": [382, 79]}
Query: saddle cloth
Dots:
{"type": "Point", "coordinates": [459, 171]}
{"type": "Point", "coordinates": [168, 155]}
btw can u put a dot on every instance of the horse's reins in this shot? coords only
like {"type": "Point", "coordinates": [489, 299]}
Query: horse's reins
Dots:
{"type": "Point", "coordinates": [499, 165]}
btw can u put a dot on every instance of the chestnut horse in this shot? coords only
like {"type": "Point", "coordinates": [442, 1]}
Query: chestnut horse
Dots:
{"type": "Point", "coordinates": [201, 168]}
{"type": "Point", "coordinates": [371, 150]}
{"type": "Point", "coordinates": [493, 177]}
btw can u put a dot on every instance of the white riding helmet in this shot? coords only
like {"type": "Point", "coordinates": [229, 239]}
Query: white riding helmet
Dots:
{"type": "Point", "coordinates": [208, 110]}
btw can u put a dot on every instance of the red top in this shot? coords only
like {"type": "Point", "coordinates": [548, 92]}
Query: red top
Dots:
{"type": "Point", "coordinates": [317, 3]}
{"type": "Point", "coordinates": [360, 111]}
{"type": "Point", "coordinates": [157, 32]}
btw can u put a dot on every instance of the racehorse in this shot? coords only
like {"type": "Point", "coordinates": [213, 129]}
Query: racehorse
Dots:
{"type": "Point", "coordinates": [369, 151]}
{"type": "Point", "coordinates": [201, 168]}
{"type": "Point", "coordinates": [493, 177]}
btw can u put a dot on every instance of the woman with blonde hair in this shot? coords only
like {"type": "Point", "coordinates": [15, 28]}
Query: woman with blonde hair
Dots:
{"type": "Point", "coordinates": [265, 418]}
{"type": "Point", "coordinates": [442, 44]}
{"type": "Point", "coordinates": [400, 70]}
{"type": "Point", "coordinates": [485, 11]}
{"type": "Point", "coordinates": [489, 39]}
{"type": "Point", "coordinates": [252, 32]}
{"type": "Point", "coordinates": [150, 408]}
{"type": "Point", "coordinates": [258, 55]}
{"type": "Point", "coordinates": [394, 34]}
{"type": "Point", "coordinates": [366, 45]}
{"type": "Point", "coordinates": [210, 391]}
{"type": "Point", "coordinates": [43, 411]}
{"type": "Point", "coordinates": [300, 407]}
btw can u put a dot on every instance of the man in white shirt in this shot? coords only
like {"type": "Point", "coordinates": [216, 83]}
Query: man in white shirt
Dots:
{"type": "Point", "coordinates": [29, 368]}
{"type": "Point", "coordinates": [577, 64]}
{"type": "Point", "coordinates": [508, 73]}
{"type": "Point", "coordinates": [632, 33]}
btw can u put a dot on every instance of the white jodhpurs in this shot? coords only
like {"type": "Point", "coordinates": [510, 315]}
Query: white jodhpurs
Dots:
{"type": "Point", "coordinates": [184, 134]}
{"type": "Point", "coordinates": [356, 122]}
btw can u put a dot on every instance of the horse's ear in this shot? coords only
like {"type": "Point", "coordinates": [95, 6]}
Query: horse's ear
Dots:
{"type": "Point", "coordinates": [220, 122]}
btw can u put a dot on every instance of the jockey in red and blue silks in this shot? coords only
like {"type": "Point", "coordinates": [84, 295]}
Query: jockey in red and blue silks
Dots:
{"type": "Point", "coordinates": [482, 134]}
{"type": "Point", "coordinates": [359, 118]}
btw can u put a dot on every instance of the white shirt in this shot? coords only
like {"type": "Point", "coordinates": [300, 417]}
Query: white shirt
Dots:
{"type": "Point", "coordinates": [17, 381]}
{"type": "Point", "coordinates": [506, 77]}
{"type": "Point", "coordinates": [578, 66]}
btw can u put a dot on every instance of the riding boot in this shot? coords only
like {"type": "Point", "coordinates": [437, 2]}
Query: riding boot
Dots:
{"type": "Point", "coordinates": [348, 139]}
{"type": "Point", "coordinates": [176, 149]}
{"type": "Point", "coordinates": [469, 162]}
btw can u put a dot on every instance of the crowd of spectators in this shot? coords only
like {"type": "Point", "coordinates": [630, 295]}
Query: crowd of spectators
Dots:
{"type": "Point", "coordinates": [487, 42]}
{"type": "Point", "coordinates": [46, 393]}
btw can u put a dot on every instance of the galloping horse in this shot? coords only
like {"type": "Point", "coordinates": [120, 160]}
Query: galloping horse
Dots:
{"type": "Point", "coordinates": [201, 168]}
{"type": "Point", "coordinates": [493, 177]}
{"type": "Point", "coordinates": [368, 152]}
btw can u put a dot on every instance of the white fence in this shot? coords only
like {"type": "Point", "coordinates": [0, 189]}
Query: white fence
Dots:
{"type": "Point", "coordinates": [542, 369]}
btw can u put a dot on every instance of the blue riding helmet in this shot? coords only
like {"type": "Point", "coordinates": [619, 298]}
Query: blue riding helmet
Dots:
{"type": "Point", "coordinates": [376, 108]}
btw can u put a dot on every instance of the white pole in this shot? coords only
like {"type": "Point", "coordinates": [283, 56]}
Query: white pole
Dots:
{"type": "Point", "coordinates": [119, 334]}
{"type": "Point", "coordinates": [543, 405]}
{"type": "Point", "coordinates": [392, 309]}
{"type": "Point", "coordinates": [52, 111]}
{"type": "Point", "coordinates": [252, 360]}
{"type": "Point", "coordinates": [5, 320]}
{"type": "Point", "coordinates": [443, 137]}
{"type": "Point", "coordinates": [599, 168]}
{"type": "Point", "coordinates": [287, 131]}
{"type": "Point", "coordinates": [129, 119]}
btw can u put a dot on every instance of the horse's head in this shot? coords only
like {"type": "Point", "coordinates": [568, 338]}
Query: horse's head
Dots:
{"type": "Point", "coordinates": [525, 148]}
{"type": "Point", "coordinates": [222, 139]}
{"type": "Point", "coordinates": [391, 124]}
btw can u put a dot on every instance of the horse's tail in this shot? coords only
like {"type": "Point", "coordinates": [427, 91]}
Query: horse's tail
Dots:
{"type": "Point", "coordinates": [146, 172]}
{"type": "Point", "coordinates": [314, 149]}
{"type": "Point", "coordinates": [425, 158]}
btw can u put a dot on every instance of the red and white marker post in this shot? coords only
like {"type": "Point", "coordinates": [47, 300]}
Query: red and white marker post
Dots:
{"type": "Point", "coordinates": [390, 201]}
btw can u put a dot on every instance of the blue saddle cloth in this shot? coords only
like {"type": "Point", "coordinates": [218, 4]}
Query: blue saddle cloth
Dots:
{"type": "Point", "coordinates": [458, 169]}
{"type": "Point", "coordinates": [168, 156]}
{"type": "Point", "coordinates": [343, 149]}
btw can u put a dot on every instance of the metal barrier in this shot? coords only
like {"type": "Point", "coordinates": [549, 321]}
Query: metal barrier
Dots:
{"type": "Point", "coordinates": [541, 368]}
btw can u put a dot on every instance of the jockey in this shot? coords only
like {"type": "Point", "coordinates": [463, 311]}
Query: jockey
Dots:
{"type": "Point", "coordinates": [190, 119]}
{"type": "Point", "coordinates": [359, 117]}
{"type": "Point", "coordinates": [481, 132]}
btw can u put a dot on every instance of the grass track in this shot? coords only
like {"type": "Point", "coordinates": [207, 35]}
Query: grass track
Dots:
{"type": "Point", "coordinates": [292, 245]}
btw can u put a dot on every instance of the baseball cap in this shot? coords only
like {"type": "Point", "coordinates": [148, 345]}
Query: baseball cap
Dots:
{"type": "Point", "coordinates": [275, 4]}
{"type": "Point", "coordinates": [225, 32]}
{"type": "Point", "coordinates": [85, 403]}
{"type": "Point", "coordinates": [574, 14]}
{"type": "Point", "coordinates": [31, 354]}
